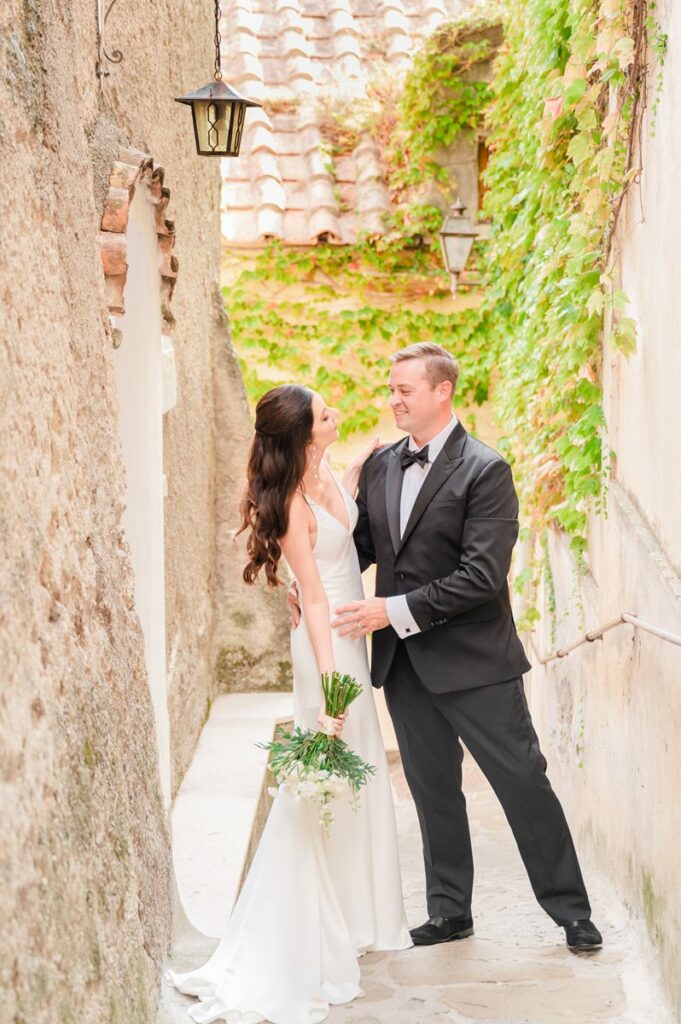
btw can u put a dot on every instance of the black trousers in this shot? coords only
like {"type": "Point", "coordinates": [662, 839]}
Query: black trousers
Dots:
{"type": "Point", "coordinates": [495, 724]}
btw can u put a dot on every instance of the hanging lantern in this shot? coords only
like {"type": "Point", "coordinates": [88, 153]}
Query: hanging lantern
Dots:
{"type": "Point", "coordinates": [457, 236]}
{"type": "Point", "coordinates": [218, 110]}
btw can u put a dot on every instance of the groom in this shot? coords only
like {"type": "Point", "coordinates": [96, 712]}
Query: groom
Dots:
{"type": "Point", "coordinates": [438, 515]}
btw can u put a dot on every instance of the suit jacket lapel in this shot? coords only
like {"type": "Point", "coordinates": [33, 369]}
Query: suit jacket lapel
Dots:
{"type": "Point", "coordinates": [393, 492]}
{"type": "Point", "coordinates": [449, 459]}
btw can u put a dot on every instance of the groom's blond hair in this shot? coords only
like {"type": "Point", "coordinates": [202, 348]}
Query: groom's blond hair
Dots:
{"type": "Point", "coordinates": [439, 364]}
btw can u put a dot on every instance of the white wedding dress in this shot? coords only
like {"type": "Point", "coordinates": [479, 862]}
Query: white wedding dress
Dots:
{"type": "Point", "coordinates": [312, 903]}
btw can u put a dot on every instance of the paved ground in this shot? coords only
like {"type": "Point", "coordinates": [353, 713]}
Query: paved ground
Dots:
{"type": "Point", "coordinates": [516, 969]}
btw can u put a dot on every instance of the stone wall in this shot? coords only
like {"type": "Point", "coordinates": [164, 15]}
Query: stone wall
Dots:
{"type": "Point", "coordinates": [610, 713]}
{"type": "Point", "coordinates": [84, 842]}
{"type": "Point", "coordinates": [252, 628]}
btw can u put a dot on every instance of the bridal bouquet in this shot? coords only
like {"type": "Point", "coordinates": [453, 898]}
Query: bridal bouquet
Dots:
{"type": "Point", "coordinates": [313, 766]}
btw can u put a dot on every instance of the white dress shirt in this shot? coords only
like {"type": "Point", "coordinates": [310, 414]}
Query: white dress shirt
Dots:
{"type": "Point", "coordinates": [397, 609]}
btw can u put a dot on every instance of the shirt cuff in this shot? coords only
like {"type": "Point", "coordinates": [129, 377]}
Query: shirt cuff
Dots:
{"type": "Point", "coordinates": [399, 616]}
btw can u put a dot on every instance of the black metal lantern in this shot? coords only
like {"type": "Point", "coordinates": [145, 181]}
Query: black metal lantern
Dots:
{"type": "Point", "coordinates": [457, 236]}
{"type": "Point", "coordinates": [218, 110]}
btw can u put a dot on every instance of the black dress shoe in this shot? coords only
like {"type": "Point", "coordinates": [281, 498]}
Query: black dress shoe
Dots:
{"type": "Point", "coordinates": [442, 929]}
{"type": "Point", "coordinates": [583, 934]}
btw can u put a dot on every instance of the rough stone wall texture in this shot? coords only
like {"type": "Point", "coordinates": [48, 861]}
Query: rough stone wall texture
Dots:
{"type": "Point", "coordinates": [84, 844]}
{"type": "Point", "coordinates": [252, 631]}
{"type": "Point", "coordinates": [611, 711]}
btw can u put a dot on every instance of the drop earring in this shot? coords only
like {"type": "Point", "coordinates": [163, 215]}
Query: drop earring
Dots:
{"type": "Point", "coordinates": [315, 465]}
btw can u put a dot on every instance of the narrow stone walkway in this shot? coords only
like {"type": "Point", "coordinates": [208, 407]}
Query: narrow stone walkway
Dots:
{"type": "Point", "coordinates": [516, 969]}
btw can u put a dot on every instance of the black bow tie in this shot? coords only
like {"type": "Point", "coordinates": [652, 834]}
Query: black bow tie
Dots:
{"type": "Point", "coordinates": [408, 457]}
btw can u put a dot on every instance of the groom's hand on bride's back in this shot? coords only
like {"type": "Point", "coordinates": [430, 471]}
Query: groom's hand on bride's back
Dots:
{"type": "Point", "coordinates": [294, 603]}
{"type": "Point", "coordinates": [361, 617]}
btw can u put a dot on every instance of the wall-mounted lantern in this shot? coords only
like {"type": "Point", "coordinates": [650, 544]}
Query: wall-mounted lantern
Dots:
{"type": "Point", "coordinates": [218, 110]}
{"type": "Point", "coordinates": [457, 237]}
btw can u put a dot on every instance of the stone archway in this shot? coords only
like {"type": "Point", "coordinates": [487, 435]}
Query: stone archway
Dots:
{"type": "Point", "coordinates": [140, 268]}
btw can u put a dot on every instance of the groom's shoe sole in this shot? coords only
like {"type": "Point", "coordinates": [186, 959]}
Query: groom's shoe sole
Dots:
{"type": "Point", "coordinates": [464, 934]}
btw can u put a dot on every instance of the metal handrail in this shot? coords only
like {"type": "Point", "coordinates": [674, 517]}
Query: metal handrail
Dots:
{"type": "Point", "coordinates": [597, 634]}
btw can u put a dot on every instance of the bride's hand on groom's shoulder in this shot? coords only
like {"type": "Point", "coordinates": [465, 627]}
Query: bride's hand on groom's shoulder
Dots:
{"type": "Point", "coordinates": [351, 475]}
{"type": "Point", "coordinates": [371, 447]}
{"type": "Point", "coordinates": [364, 454]}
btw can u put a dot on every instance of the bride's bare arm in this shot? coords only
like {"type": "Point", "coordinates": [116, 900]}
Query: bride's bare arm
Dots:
{"type": "Point", "coordinates": [296, 547]}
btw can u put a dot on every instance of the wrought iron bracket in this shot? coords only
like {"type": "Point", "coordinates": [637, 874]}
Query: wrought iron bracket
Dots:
{"type": "Point", "coordinates": [115, 57]}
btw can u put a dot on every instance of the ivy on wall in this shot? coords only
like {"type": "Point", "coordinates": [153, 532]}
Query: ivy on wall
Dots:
{"type": "Point", "coordinates": [442, 95]}
{"type": "Point", "coordinates": [560, 116]}
{"type": "Point", "coordinates": [344, 352]}
{"type": "Point", "coordinates": [569, 88]}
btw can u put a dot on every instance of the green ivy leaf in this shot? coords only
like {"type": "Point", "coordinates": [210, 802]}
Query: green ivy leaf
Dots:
{"type": "Point", "coordinates": [575, 91]}
{"type": "Point", "coordinates": [624, 335]}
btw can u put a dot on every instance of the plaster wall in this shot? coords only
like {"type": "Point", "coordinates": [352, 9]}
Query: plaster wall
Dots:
{"type": "Point", "coordinates": [642, 392]}
{"type": "Point", "coordinates": [609, 714]}
{"type": "Point", "coordinates": [138, 367]}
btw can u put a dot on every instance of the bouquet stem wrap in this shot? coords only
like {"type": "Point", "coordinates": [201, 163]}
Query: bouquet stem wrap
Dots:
{"type": "Point", "coordinates": [313, 766]}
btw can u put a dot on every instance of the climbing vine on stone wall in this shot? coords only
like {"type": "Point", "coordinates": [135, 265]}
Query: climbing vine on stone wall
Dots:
{"type": "Point", "coordinates": [442, 95]}
{"type": "Point", "coordinates": [344, 352]}
{"type": "Point", "coordinates": [561, 116]}
{"type": "Point", "coordinates": [569, 90]}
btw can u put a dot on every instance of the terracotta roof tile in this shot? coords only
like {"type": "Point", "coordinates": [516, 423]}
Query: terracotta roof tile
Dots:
{"type": "Point", "coordinates": [265, 165]}
{"type": "Point", "coordinates": [394, 19]}
{"type": "Point", "coordinates": [237, 195]}
{"type": "Point", "coordinates": [341, 20]}
{"type": "Point", "coordinates": [269, 193]}
{"type": "Point", "coordinates": [296, 55]}
{"type": "Point", "coordinates": [241, 225]}
{"type": "Point", "coordinates": [296, 226]}
{"type": "Point", "coordinates": [320, 192]}
{"type": "Point", "coordinates": [323, 226]}
{"type": "Point", "coordinates": [292, 167]}
{"type": "Point", "coordinates": [247, 65]}
{"type": "Point", "coordinates": [270, 222]}
{"type": "Point", "coordinates": [260, 136]}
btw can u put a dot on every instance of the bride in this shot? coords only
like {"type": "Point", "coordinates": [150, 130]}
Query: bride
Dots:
{"type": "Point", "coordinates": [311, 903]}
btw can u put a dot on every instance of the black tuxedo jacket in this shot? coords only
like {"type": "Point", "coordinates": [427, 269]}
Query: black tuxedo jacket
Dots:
{"type": "Point", "coordinates": [452, 563]}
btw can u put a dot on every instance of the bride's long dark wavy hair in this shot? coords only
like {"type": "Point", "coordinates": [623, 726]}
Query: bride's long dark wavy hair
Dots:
{"type": "Point", "coordinates": [276, 464]}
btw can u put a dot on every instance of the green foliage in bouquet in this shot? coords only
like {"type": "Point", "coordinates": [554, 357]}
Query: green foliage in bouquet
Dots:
{"type": "Point", "coordinates": [317, 767]}
{"type": "Point", "coordinates": [308, 753]}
